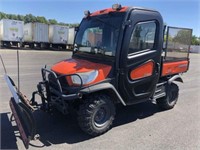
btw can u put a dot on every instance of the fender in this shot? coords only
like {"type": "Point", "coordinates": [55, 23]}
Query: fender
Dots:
{"type": "Point", "coordinates": [175, 78]}
{"type": "Point", "coordinates": [103, 86]}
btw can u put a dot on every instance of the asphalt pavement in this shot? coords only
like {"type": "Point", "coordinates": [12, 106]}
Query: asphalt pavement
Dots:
{"type": "Point", "coordinates": [141, 127]}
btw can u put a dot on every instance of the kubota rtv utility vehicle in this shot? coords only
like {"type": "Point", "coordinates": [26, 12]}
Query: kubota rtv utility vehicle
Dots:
{"type": "Point", "coordinates": [118, 57]}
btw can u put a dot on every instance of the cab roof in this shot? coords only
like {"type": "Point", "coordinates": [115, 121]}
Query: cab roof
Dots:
{"type": "Point", "coordinates": [123, 9]}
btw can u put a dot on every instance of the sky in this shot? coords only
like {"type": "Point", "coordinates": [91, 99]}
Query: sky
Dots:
{"type": "Point", "coordinates": [178, 13]}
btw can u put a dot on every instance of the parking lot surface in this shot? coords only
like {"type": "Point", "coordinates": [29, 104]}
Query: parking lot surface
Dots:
{"type": "Point", "coordinates": [142, 126]}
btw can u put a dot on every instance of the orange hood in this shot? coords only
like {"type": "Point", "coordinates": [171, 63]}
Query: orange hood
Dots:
{"type": "Point", "coordinates": [72, 66]}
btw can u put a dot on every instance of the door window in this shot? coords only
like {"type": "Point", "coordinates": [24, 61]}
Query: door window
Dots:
{"type": "Point", "coordinates": [143, 37]}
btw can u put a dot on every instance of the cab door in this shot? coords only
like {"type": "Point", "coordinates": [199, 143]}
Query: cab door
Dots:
{"type": "Point", "coordinates": [140, 56]}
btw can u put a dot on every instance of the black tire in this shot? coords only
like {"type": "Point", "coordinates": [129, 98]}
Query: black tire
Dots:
{"type": "Point", "coordinates": [171, 98]}
{"type": "Point", "coordinates": [32, 46]}
{"type": "Point", "coordinates": [96, 114]}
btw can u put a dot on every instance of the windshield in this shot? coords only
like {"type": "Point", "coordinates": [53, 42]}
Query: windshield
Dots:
{"type": "Point", "coordinates": [99, 34]}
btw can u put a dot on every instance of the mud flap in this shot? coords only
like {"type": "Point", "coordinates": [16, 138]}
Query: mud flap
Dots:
{"type": "Point", "coordinates": [22, 112]}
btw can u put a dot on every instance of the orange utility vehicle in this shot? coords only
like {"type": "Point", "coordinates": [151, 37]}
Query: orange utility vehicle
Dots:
{"type": "Point", "coordinates": [118, 57]}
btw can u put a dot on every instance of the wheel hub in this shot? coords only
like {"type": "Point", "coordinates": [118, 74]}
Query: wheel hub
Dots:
{"type": "Point", "coordinates": [100, 115]}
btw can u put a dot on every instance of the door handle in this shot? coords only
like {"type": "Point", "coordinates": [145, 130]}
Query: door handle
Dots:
{"type": "Point", "coordinates": [157, 69]}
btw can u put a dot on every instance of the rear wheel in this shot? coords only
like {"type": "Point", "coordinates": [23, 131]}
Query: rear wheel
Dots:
{"type": "Point", "coordinates": [96, 114]}
{"type": "Point", "coordinates": [169, 101]}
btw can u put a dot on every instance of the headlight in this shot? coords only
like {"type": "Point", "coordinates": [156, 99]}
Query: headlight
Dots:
{"type": "Point", "coordinates": [86, 77]}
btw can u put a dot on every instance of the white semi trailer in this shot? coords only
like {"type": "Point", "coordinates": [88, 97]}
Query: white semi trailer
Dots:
{"type": "Point", "coordinates": [11, 32]}
{"type": "Point", "coordinates": [58, 36]}
{"type": "Point", "coordinates": [71, 36]}
{"type": "Point", "coordinates": [36, 35]}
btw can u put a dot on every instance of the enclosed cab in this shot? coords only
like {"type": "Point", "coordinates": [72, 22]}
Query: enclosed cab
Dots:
{"type": "Point", "coordinates": [118, 57]}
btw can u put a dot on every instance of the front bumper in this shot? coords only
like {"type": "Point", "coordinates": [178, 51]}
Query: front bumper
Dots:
{"type": "Point", "coordinates": [56, 85]}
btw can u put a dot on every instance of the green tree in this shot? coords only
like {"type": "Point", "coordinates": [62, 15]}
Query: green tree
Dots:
{"type": "Point", "coordinates": [52, 21]}
{"type": "Point", "coordinates": [31, 18]}
{"type": "Point", "coordinates": [41, 19]}
{"type": "Point", "coordinates": [3, 15]}
{"type": "Point", "coordinates": [195, 40]}
{"type": "Point", "coordinates": [183, 36]}
{"type": "Point", "coordinates": [73, 25]}
{"type": "Point", "coordinates": [27, 18]}
{"type": "Point", "coordinates": [169, 38]}
{"type": "Point", "coordinates": [9, 16]}
{"type": "Point", "coordinates": [14, 17]}
{"type": "Point", "coordinates": [62, 23]}
{"type": "Point", "coordinates": [20, 17]}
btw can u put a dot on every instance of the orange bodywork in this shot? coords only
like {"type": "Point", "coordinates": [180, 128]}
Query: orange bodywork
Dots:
{"type": "Point", "coordinates": [170, 68]}
{"type": "Point", "coordinates": [142, 71]}
{"type": "Point", "coordinates": [73, 66]}
{"type": "Point", "coordinates": [106, 11]}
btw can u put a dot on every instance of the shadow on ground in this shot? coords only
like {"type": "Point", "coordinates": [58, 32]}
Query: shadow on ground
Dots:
{"type": "Point", "coordinates": [8, 139]}
{"type": "Point", "coordinates": [58, 129]}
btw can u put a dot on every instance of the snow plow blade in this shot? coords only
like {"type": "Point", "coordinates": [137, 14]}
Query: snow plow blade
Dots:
{"type": "Point", "coordinates": [22, 112]}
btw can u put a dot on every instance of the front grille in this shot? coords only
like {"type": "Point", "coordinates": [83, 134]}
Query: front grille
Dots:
{"type": "Point", "coordinates": [64, 85]}
{"type": "Point", "coordinates": [63, 81]}
{"type": "Point", "coordinates": [53, 82]}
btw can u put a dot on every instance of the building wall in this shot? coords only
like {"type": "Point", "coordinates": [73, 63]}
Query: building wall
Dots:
{"type": "Point", "coordinates": [195, 48]}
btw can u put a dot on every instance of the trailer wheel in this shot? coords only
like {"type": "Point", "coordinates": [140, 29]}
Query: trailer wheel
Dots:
{"type": "Point", "coordinates": [96, 114]}
{"type": "Point", "coordinates": [32, 46]}
{"type": "Point", "coordinates": [169, 101]}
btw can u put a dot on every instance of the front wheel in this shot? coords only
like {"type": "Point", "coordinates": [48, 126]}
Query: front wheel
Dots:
{"type": "Point", "coordinates": [96, 114]}
{"type": "Point", "coordinates": [169, 101]}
